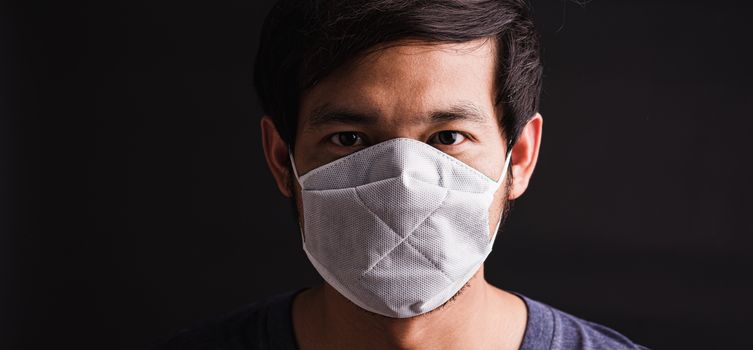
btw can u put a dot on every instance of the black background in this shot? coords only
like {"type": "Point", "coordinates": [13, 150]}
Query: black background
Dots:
{"type": "Point", "coordinates": [135, 199]}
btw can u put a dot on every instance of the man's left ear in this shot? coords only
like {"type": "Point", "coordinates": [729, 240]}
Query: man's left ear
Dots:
{"type": "Point", "coordinates": [525, 153]}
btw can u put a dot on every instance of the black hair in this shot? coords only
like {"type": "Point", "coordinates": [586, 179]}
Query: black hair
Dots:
{"type": "Point", "coordinates": [303, 41]}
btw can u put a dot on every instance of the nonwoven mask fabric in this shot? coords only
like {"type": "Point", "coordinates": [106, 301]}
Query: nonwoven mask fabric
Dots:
{"type": "Point", "coordinates": [398, 227]}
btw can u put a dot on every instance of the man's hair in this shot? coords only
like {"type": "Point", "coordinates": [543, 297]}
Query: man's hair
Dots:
{"type": "Point", "coordinates": [303, 41]}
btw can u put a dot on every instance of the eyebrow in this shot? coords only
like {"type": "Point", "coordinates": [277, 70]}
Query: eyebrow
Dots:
{"type": "Point", "coordinates": [325, 115]}
{"type": "Point", "coordinates": [463, 111]}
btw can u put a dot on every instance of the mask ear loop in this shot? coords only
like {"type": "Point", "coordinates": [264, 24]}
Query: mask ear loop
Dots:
{"type": "Point", "coordinates": [292, 165]}
{"type": "Point", "coordinates": [499, 183]}
{"type": "Point", "coordinates": [504, 168]}
{"type": "Point", "coordinates": [295, 173]}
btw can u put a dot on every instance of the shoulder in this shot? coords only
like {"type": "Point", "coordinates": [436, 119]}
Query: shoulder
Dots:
{"type": "Point", "coordinates": [549, 328]}
{"type": "Point", "coordinates": [265, 324]}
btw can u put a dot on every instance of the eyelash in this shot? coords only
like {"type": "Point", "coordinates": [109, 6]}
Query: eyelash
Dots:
{"type": "Point", "coordinates": [437, 136]}
{"type": "Point", "coordinates": [331, 138]}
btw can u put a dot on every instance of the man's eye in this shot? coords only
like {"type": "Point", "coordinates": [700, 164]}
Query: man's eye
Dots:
{"type": "Point", "coordinates": [447, 137]}
{"type": "Point", "coordinates": [346, 139]}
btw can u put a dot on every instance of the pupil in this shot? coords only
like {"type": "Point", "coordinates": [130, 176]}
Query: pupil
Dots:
{"type": "Point", "coordinates": [447, 137]}
{"type": "Point", "coordinates": [348, 138]}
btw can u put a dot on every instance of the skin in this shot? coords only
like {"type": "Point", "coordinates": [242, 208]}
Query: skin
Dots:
{"type": "Point", "coordinates": [399, 91]}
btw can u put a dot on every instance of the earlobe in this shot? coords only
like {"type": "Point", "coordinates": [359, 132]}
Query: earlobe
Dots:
{"type": "Point", "coordinates": [525, 154]}
{"type": "Point", "coordinates": [276, 154]}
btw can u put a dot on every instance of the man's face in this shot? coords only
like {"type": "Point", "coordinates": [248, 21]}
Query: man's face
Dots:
{"type": "Point", "coordinates": [439, 94]}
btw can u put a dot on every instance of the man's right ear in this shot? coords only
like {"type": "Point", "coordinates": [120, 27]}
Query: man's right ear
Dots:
{"type": "Point", "coordinates": [276, 153]}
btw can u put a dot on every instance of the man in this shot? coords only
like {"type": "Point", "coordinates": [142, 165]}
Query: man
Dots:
{"type": "Point", "coordinates": [400, 130]}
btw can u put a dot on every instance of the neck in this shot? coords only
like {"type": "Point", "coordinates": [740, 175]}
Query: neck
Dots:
{"type": "Point", "coordinates": [480, 317]}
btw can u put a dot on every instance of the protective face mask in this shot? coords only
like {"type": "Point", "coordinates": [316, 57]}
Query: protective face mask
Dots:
{"type": "Point", "coordinates": [399, 227]}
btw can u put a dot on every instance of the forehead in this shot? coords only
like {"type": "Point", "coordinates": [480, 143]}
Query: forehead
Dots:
{"type": "Point", "coordinates": [408, 79]}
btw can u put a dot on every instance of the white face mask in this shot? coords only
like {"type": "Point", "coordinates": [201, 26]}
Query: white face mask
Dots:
{"type": "Point", "coordinates": [399, 227]}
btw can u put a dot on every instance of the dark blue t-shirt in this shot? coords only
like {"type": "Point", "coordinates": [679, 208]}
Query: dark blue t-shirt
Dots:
{"type": "Point", "coordinates": [268, 324]}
